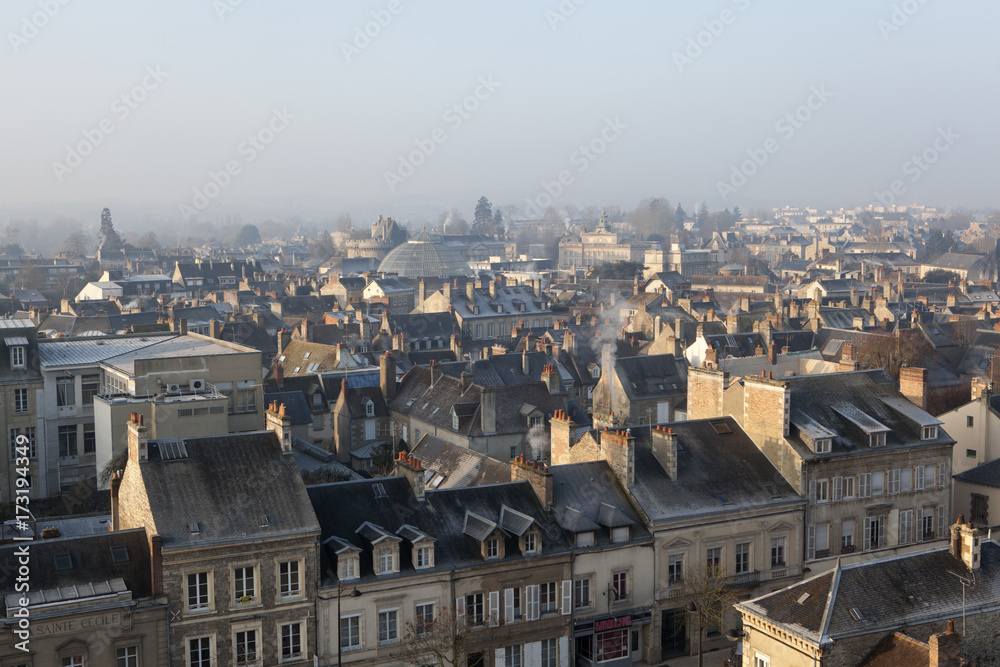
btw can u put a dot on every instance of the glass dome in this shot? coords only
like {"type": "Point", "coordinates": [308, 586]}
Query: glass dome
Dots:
{"type": "Point", "coordinates": [425, 256]}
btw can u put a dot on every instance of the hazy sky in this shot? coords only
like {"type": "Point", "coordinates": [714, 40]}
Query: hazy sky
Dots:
{"type": "Point", "coordinates": [887, 80]}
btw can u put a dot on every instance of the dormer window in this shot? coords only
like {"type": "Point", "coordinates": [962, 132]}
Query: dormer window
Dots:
{"type": "Point", "coordinates": [585, 539]}
{"type": "Point", "coordinates": [595, 372]}
{"type": "Point", "coordinates": [493, 547]}
{"type": "Point", "coordinates": [369, 409]}
{"type": "Point", "coordinates": [823, 446]}
{"type": "Point", "coordinates": [424, 557]}
{"type": "Point", "coordinates": [385, 561]}
{"type": "Point", "coordinates": [620, 534]}
{"type": "Point", "coordinates": [928, 433]}
{"type": "Point", "coordinates": [529, 543]}
{"type": "Point", "coordinates": [17, 356]}
{"type": "Point", "coordinates": [878, 439]}
{"type": "Point", "coordinates": [348, 567]}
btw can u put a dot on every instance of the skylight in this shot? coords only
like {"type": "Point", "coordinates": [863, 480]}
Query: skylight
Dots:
{"type": "Point", "coordinates": [64, 561]}
{"type": "Point", "coordinates": [119, 554]}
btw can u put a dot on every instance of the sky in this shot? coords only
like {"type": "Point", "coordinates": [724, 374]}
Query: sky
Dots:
{"type": "Point", "coordinates": [192, 111]}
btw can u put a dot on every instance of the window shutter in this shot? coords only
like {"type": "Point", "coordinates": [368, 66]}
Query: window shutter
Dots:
{"type": "Point", "coordinates": [838, 489]}
{"type": "Point", "coordinates": [567, 597]}
{"type": "Point", "coordinates": [494, 608]}
{"type": "Point", "coordinates": [942, 524]}
{"type": "Point", "coordinates": [564, 652]}
{"type": "Point", "coordinates": [534, 602]}
{"type": "Point", "coordinates": [920, 525]}
{"type": "Point", "coordinates": [918, 478]}
{"type": "Point", "coordinates": [460, 610]}
{"type": "Point", "coordinates": [812, 542]}
{"type": "Point", "coordinates": [508, 605]}
{"type": "Point", "coordinates": [868, 534]}
{"type": "Point", "coordinates": [881, 532]}
{"type": "Point", "coordinates": [499, 657]}
{"type": "Point", "coordinates": [942, 473]}
{"type": "Point", "coordinates": [812, 491]}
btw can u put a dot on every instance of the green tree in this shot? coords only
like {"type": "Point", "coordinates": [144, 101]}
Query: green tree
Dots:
{"type": "Point", "coordinates": [680, 216]}
{"type": "Point", "coordinates": [482, 223]}
{"type": "Point", "coordinates": [940, 276]}
{"type": "Point", "coordinates": [938, 243]}
{"type": "Point", "coordinates": [737, 214]}
{"type": "Point", "coordinates": [498, 221]}
{"type": "Point", "coordinates": [110, 240]}
{"type": "Point", "coordinates": [247, 236]}
{"type": "Point", "coordinates": [702, 213]}
{"type": "Point", "coordinates": [618, 270]}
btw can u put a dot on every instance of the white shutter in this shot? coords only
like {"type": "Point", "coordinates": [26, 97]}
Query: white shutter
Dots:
{"type": "Point", "coordinates": [942, 528]}
{"type": "Point", "coordinates": [838, 489]}
{"type": "Point", "coordinates": [881, 532]}
{"type": "Point", "coordinates": [534, 602]}
{"type": "Point", "coordinates": [460, 610]}
{"type": "Point", "coordinates": [867, 543]}
{"type": "Point", "coordinates": [812, 491]}
{"type": "Point", "coordinates": [942, 473]}
{"type": "Point", "coordinates": [812, 542]}
{"type": "Point", "coordinates": [494, 608]}
{"type": "Point", "coordinates": [567, 597]}
{"type": "Point", "coordinates": [508, 605]}
{"type": "Point", "coordinates": [564, 652]}
{"type": "Point", "coordinates": [919, 535]}
{"type": "Point", "coordinates": [918, 478]}
{"type": "Point", "coordinates": [532, 655]}
{"type": "Point", "coordinates": [500, 657]}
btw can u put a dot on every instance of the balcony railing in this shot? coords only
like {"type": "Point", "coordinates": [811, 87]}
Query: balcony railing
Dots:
{"type": "Point", "coordinates": [744, 580]}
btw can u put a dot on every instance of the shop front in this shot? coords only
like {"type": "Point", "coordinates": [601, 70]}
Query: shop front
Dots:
{"type": "Point", "coordinates": [612, 640]}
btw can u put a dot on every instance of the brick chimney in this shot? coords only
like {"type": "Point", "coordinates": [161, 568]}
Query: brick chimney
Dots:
{"type": "Point", "coordinates": [488, 410]}
{"type": "Point", "coordinates": [664, 444]}
{"type": "Point", "coordinates": [421, 292]}
{"type": "Point", "coordinates": [767, 404]}
{"type": "Point", "coordinates": [913, 385]}
{"type": "Point", "coordinates": [304, 329]}
{"type": "Point", "coordinates": [569, 342]}
{"type": "Point", "coordinates": [470, 292]}
{"type": "Point", "coordinates": [435, 371]}
{"type": "Point", "coordinates": [281, 423]}
{"type": "Point", "coordinates": [279, 376]}
{"type": "Point", "coordinates": [214, 329]}
{"type": "Point", "coordinates": [550, 376]}
{"type": "Point", "coordinates": [466, 379]}
{"type": "Point", "coordinates": [562, 433]}
{"type": "Point", "coordinates": [618, 449]}
{"type": "Point", "coordinates": [138, 439]}
{"type": "Point", "coordinates": [965, 543]}
{"type": "Point", "coordinates": [535, 473]}
{"type": "Point", "coordinates": [282, 340]}
{"type": "Point", "coordinates": [705, 391]}
{"type": "Point", "coordinates": [409, 466]}
{"type": "Point", "coordinates": [387, 376]}
{"type": "Point", "coordinates": [456, 346]}
{"type": "Point", "coordinates": [156, 564]}
{"type": "Point", "coordinates": [946, 648]}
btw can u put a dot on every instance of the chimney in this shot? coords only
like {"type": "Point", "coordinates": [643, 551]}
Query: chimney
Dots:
{"type": "Point", "coordinates": [562, 433]}
{"type": "Point", "coordinates": [282, 340]}
{"type": "Point", "coordinates": [618, 449]}
{"type": "Point", "coordinates": [116, 484]}
{"type": "Point", "coordinates": [550, 376]}
{"type": "Point", "coordinates": [279, 376]}
{"type": "Point", "coordinates": [466, 379]}
{"type": "Point", "coordinates": [772, 352]}
{"type": "Point", "coordinates": [304, 328]}
{"type": "Point", "coordinates": [525, 362]}
{"type": "Point", "coordinates": [156, 564]}
{"type": "Point", "coordinates": [387, 376]}
{"type": "Point", "coordinates": [965, 543]}
{"type": "Point", "coordinates": [456, 346]}
{"type": "Point", "coordinates": [664, 444]}
{"type": "Point", "coordinates": [281, 423]}
{"type": "Point", "coordinates": [446, 288]}
{"type": "Point", "coordinates": [470, 292]}
{"type": "Point", "coordinates": [421, 292]}
{"type": "Point", "coordinates": [705, 392]}
{"type": "Point", "coordinates": [952, 301]}
{"type": "Point", "coordinates": [138, 439]}
{"type": "Point", "coordinates": [536, 474]}
{"type": "Point", "coordinates": [435, 372]}
{"type": "Point", "coordinates": [946, 648]}
{"type": "Point", "coordinates": [732, 324]}
{"type": "Point", "coordinates": [569, 342]}
{"type": "Point", "coordinates": [537, 284]}
{"type": "Point", "coordinates": [979, 386]}
{"type": "Point", "coordinates": [488, 410]}
{"type": "Point", "coordinates": [409, 466]}
{"type": "Point", "coordinates": [64, 307]}
{"type": "Point", "coordinates": [214, 329]}
{"type": "Point", "coordinates": [767, 406]}
{"type": "Point", "coordinates": [182, 327]}
{"type": "Point", "coordinates": [913, 385]}
{"type": "Point", "coordinates": [493, 289]}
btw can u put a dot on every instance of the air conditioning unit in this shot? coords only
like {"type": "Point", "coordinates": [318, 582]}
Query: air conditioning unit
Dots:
{"type": "Point", "coordinates": [197, 385]}
{"type": "Point", "coordinates": [173, 389]}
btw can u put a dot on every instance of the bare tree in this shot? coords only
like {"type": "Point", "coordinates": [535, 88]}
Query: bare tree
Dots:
{"type": "Point", "coordinates": [892, 351]}
{"type": "Point", "coordinates": [964, 333]}
{"type": "Point", "coordinates": [711, 594]}
{"type": "Point", "coordinates": [449, 639]}
{"type": "Point", "coordinates": [75, 245]}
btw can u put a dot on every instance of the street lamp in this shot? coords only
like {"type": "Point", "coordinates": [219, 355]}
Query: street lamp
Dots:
{"type": "Point", "coordinates": [340, 640]}
{"type": "Point", "coordinates": [692, 607]}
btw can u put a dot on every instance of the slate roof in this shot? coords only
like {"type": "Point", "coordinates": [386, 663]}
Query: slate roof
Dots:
{"type": "Point", "coordinates": [736, 345]}
{"type": "Point", "coordinates": [224, 484]}
{"type": "Point", "coordinates": [652, 376]}
{"type": "Point", "coordinates": [425, 326]}
{"type": "Point", "coordinates": [987, 474]}
{"type": "Point", "coordinates": [342, 508]}
{"type": "Point", "coordinates": [295, 405]}
{"type": "Point", "coordinates": [596, 499]}
{"type": "Point", "coordinates": [449, 466]}
{"type": "Point", "coordinates": [897, 649]}
{"type": "Point", "coordinates": [954, 260]}
{"type": "Point", "coordinates": [500, 370]}
{"type": "Point", "coordinates": [92, 564]}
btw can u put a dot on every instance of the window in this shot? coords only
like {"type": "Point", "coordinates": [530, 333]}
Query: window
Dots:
{"type": "Point", "coordinates": [675, 569]}
{"type": "Point", "coordinates": [317, 422]}
{"type": "Point", "coordinates": [493, 548]}
{"type": "Point", "coordinates": [72, 661]}
{"type": "Point", "coordinates": [388, 627]}
{"type": "Point", "coordinates": [474, 608]}
{"type": "Point", "coordinates": [246, 647]}
{"type": "Point", "coordinates": [819, 541]}
{"type": "Point", "coordinates": [979, 508]}
{"type": "Point", "coordinates": [21, 401]}
{"type": "Point", "coordinates": [479, 331]}
{"type": "Point", "coordinates": [713, 561]}
{"type": "Point", "coordinates": [743, 558]}
{"type": "Point", "coordinates": [369, 409]}
{"type": "Point", "coordinates": [878, 486]}
{"type": "Point", "coordinates": [423, 557]}
{"type": "Point", "coordinates": [91, 388]}
{"type": "Point", "coordinates": [67, 441]}
{"type": "Point", "coordinates": [200, 652]}
{"type": "Point", "coordinates": [612, 644]}
{"type": "Point", "coordinates": [424, 618]}
{"type": "Point", "coordinates": [534, 421]}
{"type": "Point", "coordinates": [17, 356]}
{"type": "Point", "coordinates": [847, 535]}
{"type": "Point", "coordinates": [970, 453]}
{"type": "Point", "coordinates": [906, 526]}
{"type": "Point", "coordinates": [350, 632]}
{"type": "Point", "coordinates": [777, 552]}
{"type": "Point", "coordinates": [197, 585]}
{"type": "Point", "coordinates": [512, 656]}
{"type": "Point", "coordinates": [530, 543]}
{"type": "Point", "coordinates": [892, 481]}
{"type": "Point", "coordinates": [823, 445]}
{"type": "Point", "coordinates": [874, 532]}
{"type": "Point", "coordinates": [848, 489]}
{"type": "Point", "coordinates": [291, 641]}
{"type": "Point", "coordinates": [905, 480]}
{"type": "Point", "coordinates": [549, 602]}
{"type": "Point", "coordinates": [28, 448]}
{"type": "Point", "coordinates": [243, 585]}
{"type": "Point", "coordinates": [929, 432]}
{"type": "Point", "coordinates": [823, 491]}
{"type": "Point", "coordinates": [581, 592]}
{"type": "Point", "coordinates": [927, 524]}
{"type": "Point", "coordinates": [620, 534]}
{"type": "Point", "coordinates": [585, 539]}
{"type": "Point", "coordinates": [386, 562]}
{"type": "Point", "coordinates": [877, 440]}
{"type": "Point", "coordinates": [288, 579]}
{"type": "Point", "coordinates": [761, 660]}
{"type": "Point", "coordinates": [550, 653]}
{"type": "Point", "coordinates": [348, 567]}
{"type": "Point", "coordinates": [247, 400]}
{"type": "Point", "coordinates": [969, 422]}
{"type": "Point", "coordinates": [127, 656]}
{"type": "Point", "coordinates": [89, 439]}
{"type": "Point", "coordinates": [619, 585]}
{"type": "Point", "coordinates": [66, 392]}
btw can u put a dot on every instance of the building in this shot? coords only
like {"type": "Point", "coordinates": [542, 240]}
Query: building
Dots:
{"type": "Point", "coordinates": [395, 295]}
{"type": "Point", "coordinates": [21, 392]}
{"type": "Point", "coordinates": [492, 310]}
{"type": "Point", "coordinates": [639, 390]}
{"type": "Point", "coordinates": [386, 234]}
{"type": "Point", "coordinates": [425, 256]}
{"type": "Point", "coordinates": [233, 541]}
{"type": "Point", "coordinates": [602, 245]}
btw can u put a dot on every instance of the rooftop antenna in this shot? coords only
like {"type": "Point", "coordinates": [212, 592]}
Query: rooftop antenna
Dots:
{"type": "Point", "coordinates": [966, 582]}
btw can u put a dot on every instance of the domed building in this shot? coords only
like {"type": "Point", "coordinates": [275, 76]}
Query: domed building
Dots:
{"type": "Point", "coordinates": [425, 256]}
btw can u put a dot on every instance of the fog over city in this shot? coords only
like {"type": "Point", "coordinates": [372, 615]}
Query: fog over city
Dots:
{"type": "Point", "coordinates": [180, 113]}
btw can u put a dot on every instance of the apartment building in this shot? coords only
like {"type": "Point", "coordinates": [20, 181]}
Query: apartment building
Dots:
{"type": "Point", "coordinates": [21, 397]}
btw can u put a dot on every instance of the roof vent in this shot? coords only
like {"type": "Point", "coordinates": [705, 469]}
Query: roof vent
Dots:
{"type": "Point", "coordinates": [379, 490]}
{"type": "Point", "coordinates": [193, 528]}
{"type": "Point", "coordinates": [263, 520]}
{"type": "Point", "coordinates": [803, 598]}
{"type": "Point", "coordinates": [858, 616]}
